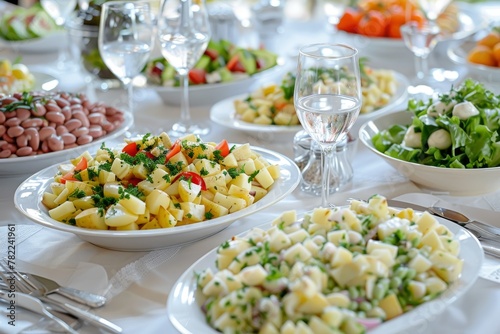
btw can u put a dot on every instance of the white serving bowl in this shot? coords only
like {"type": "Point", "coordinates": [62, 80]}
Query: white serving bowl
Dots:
{"type": "Point", "coordinates": [28, 200]}
{"type": "Point", "coordinates": [208, 94]}
{"type": "Point", "coordinates": [461, 182]}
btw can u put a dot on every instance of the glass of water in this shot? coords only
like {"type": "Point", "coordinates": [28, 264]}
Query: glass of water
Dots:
{"type": "Point", "coordinates": [184, 33]}
{"type": "Point", "coordinates": [126, 40]}
{"type": "Point", "coordinates": [327, 98]}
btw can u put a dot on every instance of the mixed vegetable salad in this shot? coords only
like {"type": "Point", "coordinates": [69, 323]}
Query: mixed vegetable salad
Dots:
{"type": "Point", "coordinates": [24, 24]}
{"type": "Point", "coordinates": [154, 183]}
{"type": "Point", "coordinates": [222, 61]}
{"type": "Point", "coordinates": [457, 130]}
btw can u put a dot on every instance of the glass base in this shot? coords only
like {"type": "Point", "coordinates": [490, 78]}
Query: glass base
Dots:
{"type": "Point", "coordinates": [181, 129]}
{"type": "Point", "coordinates": [438, 81]}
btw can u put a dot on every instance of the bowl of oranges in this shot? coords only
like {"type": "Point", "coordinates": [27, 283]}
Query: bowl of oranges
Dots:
{"type": "Point", "coordinates": [480, 54]}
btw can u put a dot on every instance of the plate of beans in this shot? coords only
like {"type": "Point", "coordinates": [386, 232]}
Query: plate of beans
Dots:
{"type": "Point", "coordinates": [39, 128]}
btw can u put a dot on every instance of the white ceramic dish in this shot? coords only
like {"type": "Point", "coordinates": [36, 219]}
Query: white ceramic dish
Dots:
{"type": "Point", "coordinates": [458, 54]}
{"type": "Point", "coordinates": [208, 94]}
{"type": "Point", "coordinates": [29, 194]}
{"type": "Point", "coordinates": [184, 301]}
{"type": "Point", "coordinates": [460, 182]}
{"type": "Point", "coordinates": [34, 163]}
{"type": "Point", "coordinates": [223, 113]}
{"type": "Point", "coordinates": [47, 44]}
{"type": "Point", "coordinates": [44, 81]}
{"type": "Point", "coordinates": [469, 24]}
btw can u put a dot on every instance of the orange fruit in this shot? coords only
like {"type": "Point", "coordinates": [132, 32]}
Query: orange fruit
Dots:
{"type": "Point", "coordinates": [490, 40]}
{"type": "Point", "coordinates": [482, 55]}
{"type": "Point", "coordinates": [496, 53]}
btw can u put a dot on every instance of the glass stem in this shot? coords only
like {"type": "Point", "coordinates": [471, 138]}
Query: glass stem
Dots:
{"type": "Point", "coordinates": [326, 158]}
{"type": "Point", "coordinates": [421, 66]}
{"type": "Point", "coordinates": [130, 93]}
{"type": "Point", "coordinates": [185, 113]}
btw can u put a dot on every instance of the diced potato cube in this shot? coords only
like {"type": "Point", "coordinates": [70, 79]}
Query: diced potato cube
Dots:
{"type": "Point", "coordinates": [117, 215]}
{"type": "Point", "coordinates": [63, 211]}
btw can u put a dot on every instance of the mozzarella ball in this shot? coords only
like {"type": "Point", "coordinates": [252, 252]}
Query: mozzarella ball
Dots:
{"type": "Point", "coordinates": [439, 108]}
{"type": "Point", "coordinates": [440, 139]}
{"type": "Point", "coordinates": [412, 139]}
{"type": "Point", "coordinates": [465, 110]}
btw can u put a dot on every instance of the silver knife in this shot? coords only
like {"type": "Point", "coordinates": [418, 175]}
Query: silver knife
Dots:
{"type": "Point", "coordinates": [454, 216]}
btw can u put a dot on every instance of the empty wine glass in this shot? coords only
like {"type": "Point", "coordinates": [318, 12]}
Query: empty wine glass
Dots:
{"type": "Point", "coordinates": [433, 8]}
{"type": "Point", "coordinates": [184, 33]}
{"type": "Point", "coordinates": [59, 10]}
{"type": "Point", "coordinates": [126, 40]}
{"type": "Point", "coordinates": [421, 38]}
{"type": "Point", "coordinates": [327, 98]}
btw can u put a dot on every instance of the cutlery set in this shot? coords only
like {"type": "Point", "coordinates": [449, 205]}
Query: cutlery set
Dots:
{"type": "Point", "coordinates": [488, 235]}
{"type": "Point", "coordinates": [32, 293]}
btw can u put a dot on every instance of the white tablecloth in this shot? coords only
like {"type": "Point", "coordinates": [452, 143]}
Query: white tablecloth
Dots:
{"type": "Point", "coordinates": [138, 284]}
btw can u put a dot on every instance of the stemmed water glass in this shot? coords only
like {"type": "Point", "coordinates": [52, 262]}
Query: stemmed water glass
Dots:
{"type": "Point", "coordinates": [59, 10]}
{"type": "Point", "coordinates": [126, 40]}
{"type": "Point", "coordinates": [327, 98]}
{"type": "Point", "coordinates": [184, 33]}
{"type": "Point", "coordinates": [421, 38]}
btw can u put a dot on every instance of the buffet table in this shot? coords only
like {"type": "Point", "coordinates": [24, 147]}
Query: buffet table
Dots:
{"type": "Point", "coordinates": [138, 283]}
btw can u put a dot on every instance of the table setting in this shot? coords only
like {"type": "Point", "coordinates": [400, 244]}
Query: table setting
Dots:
{"type": "Point", "coordinates": [140, 264]}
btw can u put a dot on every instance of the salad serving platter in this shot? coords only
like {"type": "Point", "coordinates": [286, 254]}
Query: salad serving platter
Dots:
{"type": "Point", "coordinates": [28, 200]}
{"type": "Point", "coordinates": [208, 94]}
{"type": "Point", "coordinates": [184, 305]}
{"type": "Point", "coordinates": [33, 163]}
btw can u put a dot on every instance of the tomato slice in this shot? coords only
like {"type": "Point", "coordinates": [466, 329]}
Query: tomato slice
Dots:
{"type": "Point", "coordinates": [195, 178]}
{"type": "Point", "coordinates": [223, 147]}
{"type": "Point", "coordinates": [81, 165]}
{"type": "Point", "coordinates": [197, 76]}
{"type": "Point", "coordinates": [134, 181]}
{"type": "Point", "coordinates": [69, 176]}
{"type": "Point", "coordinates": [176, 148]}
{"type": "Point", "coordinates": [213, 54]}
{"type": "Point", "coordinates": [231, 64]}
{"type": "Point", "coordinates": [131, 149]}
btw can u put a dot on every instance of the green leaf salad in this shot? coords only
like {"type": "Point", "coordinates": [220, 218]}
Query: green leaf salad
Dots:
{"type": "Point", "coordinates": [459, 129]}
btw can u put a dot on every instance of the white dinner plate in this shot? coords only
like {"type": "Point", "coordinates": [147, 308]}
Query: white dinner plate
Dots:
{"type": "Point", "coordinates": [185, 301]}
{"type": "Point", "coordinates": [44, 81]}
{"type": "Point", "coordinates": [34, 163]}
{"type": "Point", "coordinates": [208, 94]}
{"type": "Point", "coordinates": [50, 43]}
{"type": "Point", "coordinates": [28, 200]}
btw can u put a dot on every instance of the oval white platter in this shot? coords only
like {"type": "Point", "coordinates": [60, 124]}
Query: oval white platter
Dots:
{"type": "Point", "coordinates": [28, 196]}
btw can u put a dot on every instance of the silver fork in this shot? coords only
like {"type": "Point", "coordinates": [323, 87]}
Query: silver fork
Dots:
{"type": "Point", "coordinates": [36, 306]}
{"type": "Point", "coordinates": [28, 287]}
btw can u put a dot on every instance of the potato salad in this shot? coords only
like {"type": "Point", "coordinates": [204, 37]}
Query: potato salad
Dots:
{"type": "Point", "coordinates": [153, 183]}
{"type": "Point", "coordinates": [338, 270]}
{"type": "Point", "coordinates": [272, 104]}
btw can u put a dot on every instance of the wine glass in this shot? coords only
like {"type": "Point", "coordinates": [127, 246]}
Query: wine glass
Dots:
{"type": "Point", "coordinates": [327, 98]}
{"type": "Point", "coordinates": [184, 33]}
{"type": "Point", "coordinates": [433, 8]}
{"type": "Point", "coordinates": [59, 10]}
{"type": "Point", "coordinates": [125, 40]}
{"type": "Point", "coordinates": [421, 38]}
